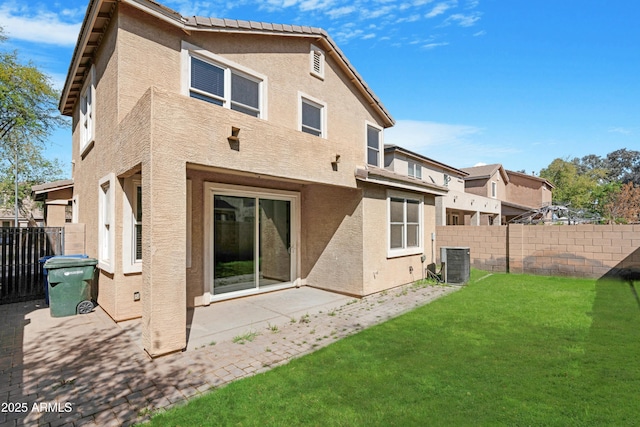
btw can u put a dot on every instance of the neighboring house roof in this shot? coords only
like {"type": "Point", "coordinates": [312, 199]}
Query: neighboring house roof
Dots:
{"type": "Point", "coordinates": [39, 192]}
{"type": "Point", "coordinates": [485, 172]}
{"type": "Point", "coordinates": [531, 177]}
{"type": "Point", "coordinates": [392, 179]}
{"type": "Point", "coordinates": [99, 13]}
{"type": "Point", "coordinates": [391, 148]}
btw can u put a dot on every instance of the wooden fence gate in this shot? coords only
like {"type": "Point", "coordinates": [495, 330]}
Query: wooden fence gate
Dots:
{"type": "Point", "coordinates": [21, 248]}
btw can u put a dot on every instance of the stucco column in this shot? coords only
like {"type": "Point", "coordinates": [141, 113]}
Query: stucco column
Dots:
{"type": "Point", "coordinates": [475, 218]}
{"type": "Point", "coordinates": [441, 211]}
{"type": "Point", "coordinates": [164, 252]}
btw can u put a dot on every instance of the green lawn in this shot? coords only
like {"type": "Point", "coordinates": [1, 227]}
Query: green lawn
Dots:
{"type": "Point", "coordinates": [506, 350]}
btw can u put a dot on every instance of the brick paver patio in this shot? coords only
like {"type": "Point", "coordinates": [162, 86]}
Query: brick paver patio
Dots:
{"type": "Point", "coordinates": [87, 371]}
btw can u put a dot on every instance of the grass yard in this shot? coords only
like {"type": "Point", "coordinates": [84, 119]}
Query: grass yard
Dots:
{"type": "Point", "coordinates": [508, 350]}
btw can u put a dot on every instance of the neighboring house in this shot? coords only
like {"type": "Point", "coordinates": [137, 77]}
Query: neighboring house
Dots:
{"type": "Point", "coordinates": [517, 192]}
{"type": "Point", "coordinates": [57, 197]}
{"type": "Point", "coordinates": [218, 158]}
{"type": "Point", "coordinates": [455, 207]}
{"type": "Point", "coordinates": [29, 215]}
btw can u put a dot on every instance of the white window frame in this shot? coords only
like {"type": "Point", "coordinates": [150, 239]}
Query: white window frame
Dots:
{"type": "Point", "coordinates": [106, 223]}
{"type": "Point", "coordinates": [212, 189]}
{"type": "Point", "coordinates": [414, 169]}
{"type": "Point", "coordinates": [316, 62]}
{"type": "Point", "coordinates": [189, 220]}
{"type": "Point", "coordinates": [87, 108]}
{"type": "Point", "coordinates": [130, 203]}
{"type": "Point", "coordinates": [380, 143]}
{"type": "Point", "coordinates": [494, 189]}
{"type": "Point", "coordinates": [304, 98]}
{"type": "Point", "coordinates": [404, 251]}
{"type": "Point", "coordinates": [229, 67]}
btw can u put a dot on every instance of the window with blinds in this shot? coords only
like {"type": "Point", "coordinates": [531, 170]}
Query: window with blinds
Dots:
{"type": "Point", "coordinates": [221, 85]}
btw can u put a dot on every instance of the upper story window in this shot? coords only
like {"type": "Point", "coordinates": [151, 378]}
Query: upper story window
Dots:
{"type": "Point", "coordinates": [494, 189]}
{"type": "Point", "coordinates": [313, 116]}
{"type": "Point", "coordinates": [316, 59]}
{"type": "Point", "coordinates": [415, 170]}
{"type": "Point", "coordinates": [87, 108]}
{"type": "Point", "coordinates": [214, 79]}
{"type": "Point", "coordinates": [447, 179]}
{"type": "Point", "coordinates": [374, 145]}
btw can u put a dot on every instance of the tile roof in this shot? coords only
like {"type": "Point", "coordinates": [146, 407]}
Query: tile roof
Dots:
{"type": "Point", "coordinates": [99, 13]}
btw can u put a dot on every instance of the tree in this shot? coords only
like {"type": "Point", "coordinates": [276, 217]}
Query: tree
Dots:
{"type": "Point", "coordinates": [28, 115]}
{"type": "Point", "coordinates": [624, 206]}
{"type": "Point", "coordinates": [624, 166]}
{"type": "Point", "coordinates": [570, 186]}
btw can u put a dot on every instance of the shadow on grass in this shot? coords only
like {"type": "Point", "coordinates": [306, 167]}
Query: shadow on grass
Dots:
{"type": "Point", "coordinates": [610, 367]}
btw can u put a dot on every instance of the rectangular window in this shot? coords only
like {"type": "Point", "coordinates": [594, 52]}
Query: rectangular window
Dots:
{"type": "Point", "coordinates": [137, 223]}
{"type": "Point", "coordinates": [87, 108]}
{"type": "Point", "coordinates": [312, 117]}
{"type": "Point", "coordinates": [447, 179]}
{"type": "Point", "coordinates": [373, 145]}
{"type": "Point", "coordinates": [132, 225]}
{"type": "Point", "coordinates": [494, 189]}
{"type": "Point", "coordinates": [105, 223]}
{"type": "Point", "coordinates": [405, 225]}
{"type": "Point", "coordinates": [415, 170]}
{"type": "Point", "coordinates": [225, 86]}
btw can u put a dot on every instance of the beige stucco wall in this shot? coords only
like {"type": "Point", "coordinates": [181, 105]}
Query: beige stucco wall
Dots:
{"type": "Point", "coordinates": [381, 271]}
{"type": "Point", "coordinates": [527, 191]}
{"type": "Point", "coordinates": [332, 238]}
{"type": "Point", "coordinates": [145, 125]}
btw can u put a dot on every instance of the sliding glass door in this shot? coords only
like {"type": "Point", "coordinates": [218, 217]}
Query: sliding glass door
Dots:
{"type": "Point", "coordinates": [252, 241]}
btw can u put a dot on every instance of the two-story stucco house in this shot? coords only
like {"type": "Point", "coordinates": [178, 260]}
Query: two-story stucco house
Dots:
{"type": "Point", "coordinates": [455, 207]}
{"type": "Point", "coordinates": [219, 158]}
{"type": "Point", "coordinates": [517, 192]}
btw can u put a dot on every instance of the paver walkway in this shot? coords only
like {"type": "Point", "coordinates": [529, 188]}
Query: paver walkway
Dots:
{"type": "Point", "coordinates": [85, 370]}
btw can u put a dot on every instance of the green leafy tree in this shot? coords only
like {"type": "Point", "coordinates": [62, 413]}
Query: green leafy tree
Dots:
{"type": "Point", "coordinates": [572, 187]}
{"type": "Point", "coordinates": [28, 115]}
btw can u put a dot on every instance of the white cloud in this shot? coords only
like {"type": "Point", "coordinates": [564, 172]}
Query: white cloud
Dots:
{"type": "Point", "coordinates": [623, 131]}
{"type": "Point", "coordinates": [43, 27]}
{"type": "Point", "coordinates": [455, 145]}
{"type": "Point", "coordinates": [439, 9]}
{"type": "Point", "coordinates": [341, 11]}
{"type": "Point", "coordinates": [479, 33]}
{"type": "Point", "coordinates": [463, 20]}
{"type": "Point", "coordinates": [434, 45]}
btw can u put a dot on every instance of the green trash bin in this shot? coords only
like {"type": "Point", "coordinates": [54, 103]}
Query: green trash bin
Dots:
{"type": "Point", "coordinates": [70, 285]}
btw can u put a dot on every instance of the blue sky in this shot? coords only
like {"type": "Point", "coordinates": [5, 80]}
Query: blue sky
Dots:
{"type": "Point", "coordinates": [468, 81]}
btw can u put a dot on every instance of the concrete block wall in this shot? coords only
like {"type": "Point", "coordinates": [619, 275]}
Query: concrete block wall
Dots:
{"type": "Point", "coordinates": [74, 239]}
{"type": "Point", "coordinates": [575, 250]}
{"type": "Point", "coordinates": [487, 244]}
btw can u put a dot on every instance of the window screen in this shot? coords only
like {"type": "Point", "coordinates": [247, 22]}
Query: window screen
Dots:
{"type": "Point", "coordinates": [245, 95]}
{"type": "Point", "coordinates": [311, 119]}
